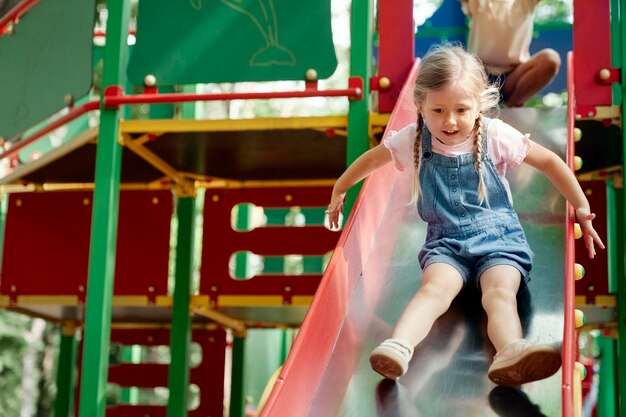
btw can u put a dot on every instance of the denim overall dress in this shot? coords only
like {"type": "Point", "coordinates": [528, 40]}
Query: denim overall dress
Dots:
{"type": "Point", "coordinates": [462, 232]}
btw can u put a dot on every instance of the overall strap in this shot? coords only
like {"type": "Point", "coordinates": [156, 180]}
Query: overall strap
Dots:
{"type": "Point", "coordinates": [485, 124]}
{"type": "Point", "coordinates": [426, 143]}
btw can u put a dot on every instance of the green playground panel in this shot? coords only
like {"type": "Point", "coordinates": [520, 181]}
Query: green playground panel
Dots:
{"type": "Point", "coordinates": [201, 41]}
{"type": "Point", "coordinates": [50, 58]}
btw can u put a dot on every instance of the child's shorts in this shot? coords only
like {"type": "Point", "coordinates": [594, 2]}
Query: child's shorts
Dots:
{"type": "Point", "coordinates": [473, 253]}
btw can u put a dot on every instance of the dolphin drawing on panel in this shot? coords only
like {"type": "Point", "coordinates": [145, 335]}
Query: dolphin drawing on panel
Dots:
{"type": "Point", "coordinates": [263, 15]}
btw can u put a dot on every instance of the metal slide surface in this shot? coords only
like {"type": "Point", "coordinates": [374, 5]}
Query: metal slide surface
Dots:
{"type": "Point", "coordinates": [328, 372]}
{"type": "Point", "coordinates": [447, 376]}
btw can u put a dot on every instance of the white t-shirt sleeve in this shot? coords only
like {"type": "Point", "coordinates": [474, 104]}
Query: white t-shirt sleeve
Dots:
{"type": "Point", "coordinates": [400, 144]}
{"type": "Point", "coordinates": [508, 146]}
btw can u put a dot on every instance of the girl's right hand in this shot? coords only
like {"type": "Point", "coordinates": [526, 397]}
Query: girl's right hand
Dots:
{"type": "Point", "coordinates": [334, 209]}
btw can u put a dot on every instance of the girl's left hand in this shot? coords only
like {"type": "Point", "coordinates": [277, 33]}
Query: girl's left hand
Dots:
{"type": "Point", "coordinates": [590, 236]}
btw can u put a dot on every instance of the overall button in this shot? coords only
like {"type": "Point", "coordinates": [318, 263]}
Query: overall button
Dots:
{"type": "Point", "coordinates": [452, 176]}
{"type": "Point", "coordinates": [456, 204]}
{"type": "Point", "coordinates": [454, 190]}
{"type": "Point", "coordinates": [462, 214]}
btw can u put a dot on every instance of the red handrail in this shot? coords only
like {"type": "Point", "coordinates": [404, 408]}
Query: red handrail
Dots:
{"type": "Point", "coordinates": [114, 101]}
{"type": "Point", "coordinates": [73, 114]}
{"type": "Point", "coordinates": [14, 14]}
{"type": "Point", "coordinates": [114, 97]}
{"type": "Point", "coordinates": [569, 341]}
{"type": "Point", "coordinates": [103, 34]}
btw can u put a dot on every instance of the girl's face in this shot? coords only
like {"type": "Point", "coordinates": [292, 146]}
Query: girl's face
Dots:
{"type": "Point", "coordinates": [450, 113]}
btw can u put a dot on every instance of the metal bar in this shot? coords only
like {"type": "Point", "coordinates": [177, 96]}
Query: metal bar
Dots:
{"type": "Point", "coordinates": [607, 402]}
{"type": "Point", "coordinates": [621, 249]}
{"type": "Point", "coordinates": [616, 52]}
{"type": "Point", "coordinates": [15, 13]}
{"type": "Point", "coordinates": [236, 325]}
{"type": "Point", "coordinates": [104, 224]}
{"type": "Point", "coordinates": [117, 100]}
{"type": "Point", "coordinates": [4, 201]}
{"type": "Point", "coordinates": [73, 114]}
{"type": "Point", "coordinates": [237, 378]}
{"type": "Point", "coordinates": [131, 355]}
{"type": "Point", "coordinates": [187, 187]}
{"type": "Point", "coordinates": [274, 123]}
{"type": "Point", "coordinates": [241, 259]}
{"type": "Point", "coordinates": [102, 33]}
{"type": "Point", "coordinates": [569, 342]}
{"type": "Point", "coordinates": [180, 338]}
{"type": "Point", "coordinates": [361, 31]}
{"type": "Point", "coordinates": [612, 236]}
{"type": "Point", "coordinates": [66, 371]}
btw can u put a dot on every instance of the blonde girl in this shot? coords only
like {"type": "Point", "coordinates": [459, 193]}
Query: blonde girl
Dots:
{"type": "Point", "coordinates": [474, 237]}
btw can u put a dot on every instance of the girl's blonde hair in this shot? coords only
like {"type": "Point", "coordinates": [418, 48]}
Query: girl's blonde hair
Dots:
{"type": "Point", "coordinates": [444, 64]}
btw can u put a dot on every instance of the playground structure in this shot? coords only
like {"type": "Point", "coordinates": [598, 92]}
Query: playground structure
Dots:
{"type": "Point", "coordinates": [95, 212]}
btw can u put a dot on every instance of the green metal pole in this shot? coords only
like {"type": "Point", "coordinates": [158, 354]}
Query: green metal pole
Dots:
{"type": "Point", "coordinates": [163, 111]}
{"type": "Point", "coordinates": [66, 372]}
{"type": "Point", "coordinates": [243, 223]}
{"type": "Point", "coordinates": [131, 354]}
{"type": "Point", "coordinates": [275, 264]}
{"type": "Point", "coordinates": [4, 198]}
{"type": "Point", "coordinates": [285, 344]}
{"type": "Point", "coordinates": [237, 397]}
{"type": "Point", "coordinates": [612, 233]}
{"type": "Point", "coordinates": [621, 304]}
{"type": "Point", "coordinates": [180, 338]}
{"type": "Point", "coordinates": [104, 223]}
{"type": "Point", "coordinates": [607, 381]}
{"type": "Point", "coordinates": [621, 223]}
{"type": "Point", "coordinates": [616, 50]}
{"type": "Point", "coordinates": [607, 402]}
{"type": "Point", "coordinates": [361, 33]}
{"type": "Point", "coordinates": [189, 109]}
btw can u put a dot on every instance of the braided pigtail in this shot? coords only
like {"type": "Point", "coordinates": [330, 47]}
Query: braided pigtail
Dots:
{"type": "Point", "coordinates": [478, 163]}
{"type": "Point", "coordinates": [417, 157]}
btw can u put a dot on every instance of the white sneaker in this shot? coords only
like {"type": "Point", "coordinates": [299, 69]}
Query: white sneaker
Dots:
{"type": "Point", "coordinates": [391, 358]}
{"type": "Point", "coordinates": [520, 362]}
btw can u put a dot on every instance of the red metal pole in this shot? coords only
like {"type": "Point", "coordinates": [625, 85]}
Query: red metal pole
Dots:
{"type": "Point", "coordinates": [102, 33]}
{"type": "Point", "coordinates": [73, 114]}
{"type": "Point", "coordinates": [396, 48]}
{"type": "Point", "coordinates": [592, 44]}
{"type": "Point", "coordinates": [115, 98]}
{"type": "Point", "coordinates": [569, 342]}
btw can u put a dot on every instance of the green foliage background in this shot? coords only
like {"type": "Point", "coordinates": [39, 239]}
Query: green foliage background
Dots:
{"type": "Point", "coordinates": [15, 341]}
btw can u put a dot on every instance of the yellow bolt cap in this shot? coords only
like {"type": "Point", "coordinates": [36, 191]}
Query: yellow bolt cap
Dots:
{"type": "Point", "coordinates": [579, 271]}
{"type": "Point", "coordinates": [580, 318]}
{"type": "Point", "coordinates": [578, 163]}
{"type": "Point", "coordinates": [578, 233]}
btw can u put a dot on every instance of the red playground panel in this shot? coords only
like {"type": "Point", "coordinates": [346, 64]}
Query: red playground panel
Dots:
{"type": "Point", "coordinates": [595, 282]}
{"type": "Point", "coordinates": [592, 54]}
{"type": "Point", "coordinates": [47, 236]}
{"type": "Point", "coordinates": [221, 241]}
{"type": "Point", "coordinates": [208, 376]}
